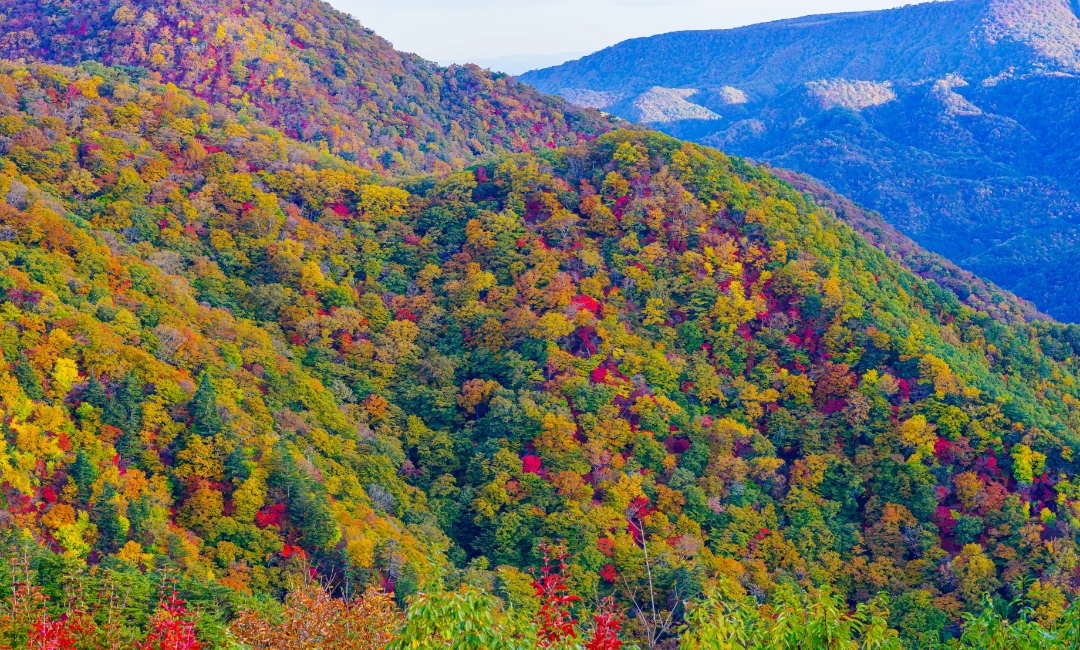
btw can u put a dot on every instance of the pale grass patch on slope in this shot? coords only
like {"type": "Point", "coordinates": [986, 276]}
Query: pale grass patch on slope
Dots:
{"type": "Point", "coordinates": [586, 98]}
{"type": "Point", "coordinates": [954, 102]}
{"type": "Point", "coordinates": [731, 96]}
{"type": "Point", "coordinates": [856, 95]}
{"type": "Point", "coordinates": [659, 105]}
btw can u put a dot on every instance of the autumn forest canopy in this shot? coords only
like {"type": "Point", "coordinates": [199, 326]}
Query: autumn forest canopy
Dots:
{"type": "Point", "coordinates": [306, 343]}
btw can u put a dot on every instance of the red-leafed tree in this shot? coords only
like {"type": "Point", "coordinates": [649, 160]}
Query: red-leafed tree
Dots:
{"type": "Point", "coordinates": [555, 620]}
{"type": "Point", "coordinates": [172, 628]}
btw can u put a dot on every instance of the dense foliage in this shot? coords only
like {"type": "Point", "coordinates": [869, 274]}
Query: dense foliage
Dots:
{"type": "Point", "coordinates": [231, 359]}
{"type": "Point", "coordinates": [956, 120]}
{"type": "Point", "coordinates": [308, 70]}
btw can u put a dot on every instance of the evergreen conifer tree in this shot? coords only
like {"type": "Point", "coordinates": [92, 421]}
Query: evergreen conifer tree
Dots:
{"type": "Point", "coordinates": [124, 411]}
{"type": "Point", "coordinates": [94, 393]}
{"type": "Point", "coordinates": [29, 380]}
{"type": "Point", "coordinates": [236, 466]}
{"type": "Point", "coordinates": [112, 531]}
{"type": "Point", "coordinates": [305, 500]}
{"type": "Point", "coordinates": [205, 419]}
{"type": "Point", "coordinates": [84, 474]}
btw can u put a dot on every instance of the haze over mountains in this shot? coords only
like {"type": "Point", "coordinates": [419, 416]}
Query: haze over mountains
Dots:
{"type": "Point", "coordinates": [516, 64]}
{"type": "Point", "coordinates": [958, 120]}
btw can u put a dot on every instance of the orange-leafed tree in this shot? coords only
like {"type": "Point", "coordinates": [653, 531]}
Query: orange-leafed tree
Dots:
{"type": "Point", "coordinates": [313, 618]}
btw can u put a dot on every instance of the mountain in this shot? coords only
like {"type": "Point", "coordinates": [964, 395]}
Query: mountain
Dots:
{"type": "Point", "coordinates": [226, 351]}
{"type": "Point", "coordinates": [307, 69]}
{"type": "Point", "coordinates": [973, 38]}
{"type": "Point", "coordinates": [320, 77]}
{"type": "Point", "coordinates": [955, 120]}
{"type": "Point", "coordinates": [245, 377]}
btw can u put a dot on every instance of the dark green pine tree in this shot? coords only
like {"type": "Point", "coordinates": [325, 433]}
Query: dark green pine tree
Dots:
{"type": "Point", "coordinates": [205, 419]}
{"type": "Point", "coordinates": [237, 466]}
{"type": "Point", "coordinates": [305, 500]}
{"type": "Point", "coordinates": [111, 531]}
{"type": "Point", "coordinates": [139, 512]}
{"type": "Point", "coordinates": [94, 393]}
{"type": "Point", "coordinates": [84, 474]}
{"type": "Point", "coordinates": [29, 380]}
{"type": "Point", "coordinates": [124, 411]}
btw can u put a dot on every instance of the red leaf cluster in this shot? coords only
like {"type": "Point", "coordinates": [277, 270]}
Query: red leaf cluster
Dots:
{"type": "Point", "coordinates": [608, 625]}
{"type": "Point", "coordinates": [531, 465]}
{"type": "Point", "coordinates": [172, 628]}
{"type": "Point", "coordinates": [270, 516]}
{"type": "Point", "coordinates": [556, 621]}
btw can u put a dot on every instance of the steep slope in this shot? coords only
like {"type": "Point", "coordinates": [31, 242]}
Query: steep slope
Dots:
{"type": "Point", "coordinates": [224, 349]}
{"type": "Point", "coordinates": [969, 288]}
{"type": "Point", "coordinates": [955, 120]}
{"type": "Point", "coordinates": [144, 422]}
{"type": "Point", "coordinates": [307, 69]}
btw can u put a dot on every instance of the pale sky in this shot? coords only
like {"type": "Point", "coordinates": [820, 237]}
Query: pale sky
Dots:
{"type": "Point", "coordinates": [481, 30]}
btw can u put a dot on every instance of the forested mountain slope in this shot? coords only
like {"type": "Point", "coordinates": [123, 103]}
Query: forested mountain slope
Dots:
{"type": "Point", "coordinates": [974, 38]}
{"type": "Point", "coordinates": [306, 69]}
{"type": "Point", "coordinates": [320, 77]}
{"type": "Point", "coordinates": [955, 120]}
{"type": "Point", "coordinates": [224, 350]}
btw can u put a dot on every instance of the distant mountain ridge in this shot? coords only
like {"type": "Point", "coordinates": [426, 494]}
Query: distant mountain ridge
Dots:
{"type": "Point", "coordinates": [968, 37]}
{"type": "Point", "coordinates": [969, 288]}
{"type": "Point", "coordinates": [956, 120]}
{"type": "Point", "coordinates": [515, 64]}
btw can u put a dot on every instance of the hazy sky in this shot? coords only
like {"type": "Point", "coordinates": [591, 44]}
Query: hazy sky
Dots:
{"type": "Point", "coordinates": [459, 30]}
